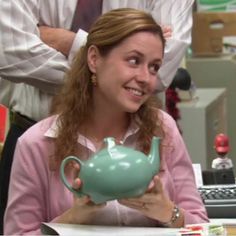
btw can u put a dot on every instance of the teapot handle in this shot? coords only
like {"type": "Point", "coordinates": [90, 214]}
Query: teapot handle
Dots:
{"type": "Point", "coordinates": [63, 177]}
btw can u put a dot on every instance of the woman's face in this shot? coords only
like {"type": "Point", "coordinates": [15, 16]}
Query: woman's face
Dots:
{"type": "Point", "coordinates": [127, 76]}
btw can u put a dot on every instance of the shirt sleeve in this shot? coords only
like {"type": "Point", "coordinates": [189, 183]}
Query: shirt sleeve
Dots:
{"type": "Point", "coordinates": [24, 57]}
{"type": "Point", "coordinates": [185, 195]}
{"type": "Point", "coordinates": [27, 205]}
{"type": "Point", "coordinates": [177, 15]}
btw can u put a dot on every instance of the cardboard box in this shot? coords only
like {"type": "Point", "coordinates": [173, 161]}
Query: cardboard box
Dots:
{"type": "Point", "coordinates": [216, 5]}
{"type": "Point", "coordinates": [211, 31]}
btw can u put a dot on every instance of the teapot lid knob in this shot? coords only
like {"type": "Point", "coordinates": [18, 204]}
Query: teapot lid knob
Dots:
{"type": "Point", "coordinates": [110, 142]}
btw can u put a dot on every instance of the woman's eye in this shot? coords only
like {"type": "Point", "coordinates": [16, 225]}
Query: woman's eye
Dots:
{"type": "Point", "coordinates": [154, 68]}
{"type": "Point", "coordinates": [133, 61]}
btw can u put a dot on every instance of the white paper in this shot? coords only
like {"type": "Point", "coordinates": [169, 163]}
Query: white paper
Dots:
{"type": "Point", "coordinates": [91, 230]}
{"type": "Point", "coordinates": [228, 221]}
{"type": "Point", "coordinates": [198, 175]}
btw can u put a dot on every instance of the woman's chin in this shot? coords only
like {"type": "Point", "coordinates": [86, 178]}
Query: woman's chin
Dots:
{"type": "Point", "coordinates": [133, 109]}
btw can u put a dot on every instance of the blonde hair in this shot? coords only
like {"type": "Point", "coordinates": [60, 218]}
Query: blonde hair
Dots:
{"type": "Point", "coordinates": [73, 104]}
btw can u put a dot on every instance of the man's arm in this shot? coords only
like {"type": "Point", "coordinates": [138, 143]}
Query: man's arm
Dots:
{"type": "Point", "coordinates": [177, 15]}
{"type": "Point", "coordinates": [24, 56]}
{"type": "Point", "coordinates": [64, 41]}
{"type": "Point", "coordinates": [57, 38]}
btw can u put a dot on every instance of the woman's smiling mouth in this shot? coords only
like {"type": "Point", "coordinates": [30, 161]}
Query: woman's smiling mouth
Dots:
{"type": "Point", "coordinates": [134, 91]}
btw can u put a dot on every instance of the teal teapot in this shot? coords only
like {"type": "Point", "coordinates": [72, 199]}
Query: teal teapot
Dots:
{"type": "Point", "coordinates": [115, 172]}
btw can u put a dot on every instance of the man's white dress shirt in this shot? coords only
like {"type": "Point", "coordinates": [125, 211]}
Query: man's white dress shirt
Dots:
{"type": "Point", "coordinates": [35, 70]}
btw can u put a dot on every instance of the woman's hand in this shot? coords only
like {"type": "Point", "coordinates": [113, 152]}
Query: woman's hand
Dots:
{"type": "Point", "coordinates": [83, 208]}
{"type": "Point", "coordinates": [154, 203]}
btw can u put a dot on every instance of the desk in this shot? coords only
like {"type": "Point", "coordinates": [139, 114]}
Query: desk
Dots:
{"type": "Point", "coordinates": [231, 230]}
{"type": "Point", "coordinates": [229, 224]}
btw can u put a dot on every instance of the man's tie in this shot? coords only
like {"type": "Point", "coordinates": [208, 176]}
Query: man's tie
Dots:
{"type": "Point", "coordinates": [87, 11]}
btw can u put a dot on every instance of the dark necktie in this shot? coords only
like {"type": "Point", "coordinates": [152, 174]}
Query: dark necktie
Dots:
{"type": "Point", "coordinates": [87, 11]}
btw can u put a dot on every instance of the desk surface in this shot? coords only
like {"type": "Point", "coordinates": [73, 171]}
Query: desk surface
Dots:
{"type": "Point", "coordinates": [229, 224]}
{"type": "Point", "coordinates": [231, 230]}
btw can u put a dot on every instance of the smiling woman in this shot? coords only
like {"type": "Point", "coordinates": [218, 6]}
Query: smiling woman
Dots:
{"type": "Point", "coordinates": [108, 92]}
{"type": "Point", "coordinates": [123, 69]}
{"type": "Point", "coordinates": [125, 85]}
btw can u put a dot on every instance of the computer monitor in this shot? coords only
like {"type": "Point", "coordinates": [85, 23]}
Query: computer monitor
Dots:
{"type": "Point", "coordinates": [224, 176]}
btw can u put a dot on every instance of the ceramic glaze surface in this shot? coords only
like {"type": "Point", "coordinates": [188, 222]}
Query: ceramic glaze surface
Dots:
{"type": "Point", "coordinates": [115, 172]}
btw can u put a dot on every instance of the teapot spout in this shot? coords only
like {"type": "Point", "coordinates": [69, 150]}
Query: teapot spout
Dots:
{"type": "Point", "coordinates": [154, 155]}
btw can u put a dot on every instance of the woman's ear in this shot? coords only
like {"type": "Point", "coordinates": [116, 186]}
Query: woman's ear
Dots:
{"type": "Point", "coordinates": [92, 58]}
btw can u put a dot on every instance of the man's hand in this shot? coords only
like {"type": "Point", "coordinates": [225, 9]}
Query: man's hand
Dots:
{"type": "Point", "coordinates": [57, 38]}
{"type": "Point", "coordinates": [167, 31]}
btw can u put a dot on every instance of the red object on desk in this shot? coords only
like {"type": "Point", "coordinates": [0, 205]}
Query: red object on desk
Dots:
{"type": "Point", "coordinates": [3, 122]}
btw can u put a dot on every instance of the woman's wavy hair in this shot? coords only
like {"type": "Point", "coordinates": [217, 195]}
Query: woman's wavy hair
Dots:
{"type": "Point", "coordinates": [73, 104]}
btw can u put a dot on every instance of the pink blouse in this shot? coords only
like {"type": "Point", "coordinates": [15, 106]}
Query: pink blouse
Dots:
{"type": "Point", "coordinates": [37, 194]}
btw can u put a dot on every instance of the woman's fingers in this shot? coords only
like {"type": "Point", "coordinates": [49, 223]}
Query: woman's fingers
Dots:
{"type": "Point", "coordinates": [77, 183]}
{"type": "Point", "coordinates": [157, 188]}
{"type": "Point", "coordinates": [155, 185]}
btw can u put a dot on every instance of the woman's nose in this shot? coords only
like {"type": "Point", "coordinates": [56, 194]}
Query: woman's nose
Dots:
{"type": "Point", "coordinates": [143, 75]}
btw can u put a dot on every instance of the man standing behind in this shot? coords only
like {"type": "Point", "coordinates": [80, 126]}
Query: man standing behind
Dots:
{"type": "Point", "coordinates": [38, 45]}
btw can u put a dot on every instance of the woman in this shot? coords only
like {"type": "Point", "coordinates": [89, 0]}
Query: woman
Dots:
{"type": "Point", "coordinates": [109, 91]}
